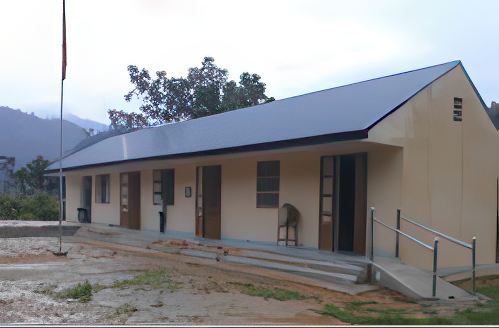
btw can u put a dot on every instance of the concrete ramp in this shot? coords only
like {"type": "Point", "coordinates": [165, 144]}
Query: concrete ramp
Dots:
{"type": "Point", "coordinates": [413, 282]}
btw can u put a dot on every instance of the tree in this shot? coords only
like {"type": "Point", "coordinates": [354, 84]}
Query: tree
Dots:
{"type": "Point", "coordinates": [205, 91]}
{"type": "Point", "coordinates": [20, 177]}
{"type": "Point", "coordinates": [32, 177]}
{"type": "Point", "coordinates": [127, 121]}
{"type": "Point", "coordinates": [5, 162]}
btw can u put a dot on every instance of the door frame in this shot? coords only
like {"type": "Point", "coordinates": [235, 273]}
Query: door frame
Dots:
{"type": "Point", "coordinates": [200, 209]}
{"type": "Point", "coordinates": [133, 202]}
{"type": "Point", "coordinates": [360, 203]}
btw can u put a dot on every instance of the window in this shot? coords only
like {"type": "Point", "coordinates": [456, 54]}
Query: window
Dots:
{"type": "Point", "coordinates": [267, 184]}
{"type": "Point", "coordinates": [102, 188]}
{"type": "Point", "coordinates": [163, 179]}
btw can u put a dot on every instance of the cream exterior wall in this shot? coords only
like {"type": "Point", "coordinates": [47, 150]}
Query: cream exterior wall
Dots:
{"type": "Point", "coordinates": [73, 186]}
{"type": "Point", "coordinates": [241, 219]}
{"type": "Point", "coordinates": [449, 174]}
{"type": "Point", "coordinates": [439, 172]}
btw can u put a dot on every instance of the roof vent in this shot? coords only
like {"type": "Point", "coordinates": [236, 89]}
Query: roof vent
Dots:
{"type": "Point", "coordinates": [458, 112]}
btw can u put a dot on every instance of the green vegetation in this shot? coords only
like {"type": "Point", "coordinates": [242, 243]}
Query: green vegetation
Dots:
{"type": "Point", "coordinates": [483, 314]}
{"type": "Point", "coordinates": [126, 309]}
{"type": "Point", "coordinates": [275, 293]}
{"type": "Point", "coordinates": [384, 316]}
{"type": "Point", "coordinates": [31, 178]}
{"type": "Point", "coordinates": [153, 278]}
{"type": "Point", "coordinates": [372, 313]}
{"type": "Point", "coordinates": [40, 206]}
{"type": "Point", "coordinates": [81, 292]}
{"type": "Point", "coordinates": [205, 91]}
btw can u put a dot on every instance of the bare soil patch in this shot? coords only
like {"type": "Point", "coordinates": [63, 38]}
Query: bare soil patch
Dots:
{"type": "Point", "coordinates": [193, 290]}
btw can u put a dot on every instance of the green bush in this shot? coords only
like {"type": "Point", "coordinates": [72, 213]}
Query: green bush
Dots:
{"type": "Point", "coordinates": [40, 206]}
{"type": "Point", "coordinates": [10, 206]}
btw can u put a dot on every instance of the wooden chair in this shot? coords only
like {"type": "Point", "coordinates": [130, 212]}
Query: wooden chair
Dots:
{"type": "Point", "coordinates": [288, 217]}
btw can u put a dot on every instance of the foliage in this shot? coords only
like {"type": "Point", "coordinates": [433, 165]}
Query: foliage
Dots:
{"type": "Point", "coordinates": [40, 206]}
{"type": "Point", "coordinates": [386, 317]}
{"type": "Point", "coordinates": [10, 206]}
{"type": "Point", "coordinates": [127, 121]}
{"type": "Point", "coordinates": [5, 162]}
{"type": "Point", "coordinates": [152, 278]}
{"type": "Point", "coordinates": [32, 177]}
{"type": "Point", "coordinates": [483, 314]}
{"type": "Point", "coordinates": [81, 292]}
{"type": "Point", "coordinates": [205, 91]}
{"type": "Point", "coordinates": [126, 309]}
{"type": "Point", "coordinates": [275, 293]}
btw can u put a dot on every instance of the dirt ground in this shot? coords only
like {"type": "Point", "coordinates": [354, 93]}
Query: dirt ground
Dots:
{"type": "Point", "coordinates": [206, 292]}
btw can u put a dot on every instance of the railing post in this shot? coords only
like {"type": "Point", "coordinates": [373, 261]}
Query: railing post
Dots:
{"type": "Point", "coordinates": [371, 257]}
{"type": "Point", "coordinates": [473, 262]}
{"type": "Point", "coordinates": [435, 255]}
{"type": "Point", "coordinates": [397, 235]}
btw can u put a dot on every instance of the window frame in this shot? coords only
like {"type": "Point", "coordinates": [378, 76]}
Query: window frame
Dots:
{"type": "Point", "coordinates": [102, 198]}
{"type": "Point", "coordinates": [262, 176]}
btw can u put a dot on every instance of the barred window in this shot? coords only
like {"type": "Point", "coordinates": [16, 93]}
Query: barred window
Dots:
{"type": "Point", "coordinates": [267, 185]}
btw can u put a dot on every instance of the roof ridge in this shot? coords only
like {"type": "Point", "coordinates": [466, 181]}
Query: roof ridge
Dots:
{"type": "Point", "coordinates": [457, 62]}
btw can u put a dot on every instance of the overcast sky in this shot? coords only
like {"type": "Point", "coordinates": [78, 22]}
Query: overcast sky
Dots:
{"type": "Point", "coordinates": [295, 46]}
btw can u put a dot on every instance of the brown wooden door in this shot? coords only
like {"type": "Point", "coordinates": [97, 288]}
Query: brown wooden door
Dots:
{"type": "Point", "coordinates": [326, 204]}
{"type": "Point", "coordinates": [211, 200]}
{"type": "Point", "coordinates": [130, 200]}
{"type": "Point", "coordinates": [134, 200]}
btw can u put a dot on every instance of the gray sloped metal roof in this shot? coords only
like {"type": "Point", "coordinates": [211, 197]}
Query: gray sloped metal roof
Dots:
{"type": "Point", "coordinates": [348, 111]}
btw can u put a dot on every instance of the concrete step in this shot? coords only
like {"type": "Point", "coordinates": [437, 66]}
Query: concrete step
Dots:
{"type": "Point", "coordinates": [358, 270]}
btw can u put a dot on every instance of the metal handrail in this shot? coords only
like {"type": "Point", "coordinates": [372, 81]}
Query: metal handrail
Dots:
{"type": "Point", "coordinates": [471, 246]}
{"type": "Point", "coordinates": [404, 234]}
{"type": "Point", "coordinates": [454, 240]}
{"type": "Point", "coordinates": [434, 249]}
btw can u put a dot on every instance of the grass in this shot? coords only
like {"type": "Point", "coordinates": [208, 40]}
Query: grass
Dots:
{"type": "Point", "coordinates": [126, 309]}
{"type": "Point", "coordinates": [275, 293]}
{"type": "Point", "coordinates": [385, 317]}
{"type": "Point", "coordinates": [81, 292]}
{"type": "Point", "coordinates": [482, 314]}
{"type": "Point", "coordinates": [153, 278]}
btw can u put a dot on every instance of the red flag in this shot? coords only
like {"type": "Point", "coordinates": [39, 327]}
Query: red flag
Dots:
{"type": "Point", "coordinates": [64, 61]}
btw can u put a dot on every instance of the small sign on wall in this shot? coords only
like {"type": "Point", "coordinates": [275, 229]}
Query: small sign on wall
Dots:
{"type": "Point", "coordinates": [458, 109]}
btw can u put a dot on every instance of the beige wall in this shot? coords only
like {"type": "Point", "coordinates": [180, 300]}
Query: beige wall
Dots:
{"type": "Point", "coordinates": [241, 219]}
{"type": "Point", "coordinates": [449, 173]}
{"type": "Point", "coordinates": [438, 172]}
{"type": "Point", "coordinates": [73, 187]}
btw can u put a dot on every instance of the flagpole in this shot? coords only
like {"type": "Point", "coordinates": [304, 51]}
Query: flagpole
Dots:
{"type": "Point", "coordinates": [61, 210]}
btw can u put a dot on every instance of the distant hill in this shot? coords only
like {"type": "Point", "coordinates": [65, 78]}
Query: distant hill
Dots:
{"type": "Point", "coordinates": [25, 136]}
{"type": "Point", "coordinates": [85, 123]}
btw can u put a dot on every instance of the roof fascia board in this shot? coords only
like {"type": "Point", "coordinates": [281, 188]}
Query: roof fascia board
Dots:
{"type": "Point", "coordinates": [315, 140]}
{"type": "Point", "coordinates": [405, 101]}
{"type": "Point", "coordinates": [474, 88]}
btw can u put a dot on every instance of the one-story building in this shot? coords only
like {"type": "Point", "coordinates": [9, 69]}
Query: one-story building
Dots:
{"type": "Point", "coordinates": [419, 141]}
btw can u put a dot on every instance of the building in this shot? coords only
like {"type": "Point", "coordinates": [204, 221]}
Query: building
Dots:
{"type": "Point", "coordinates": [419, 141]}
